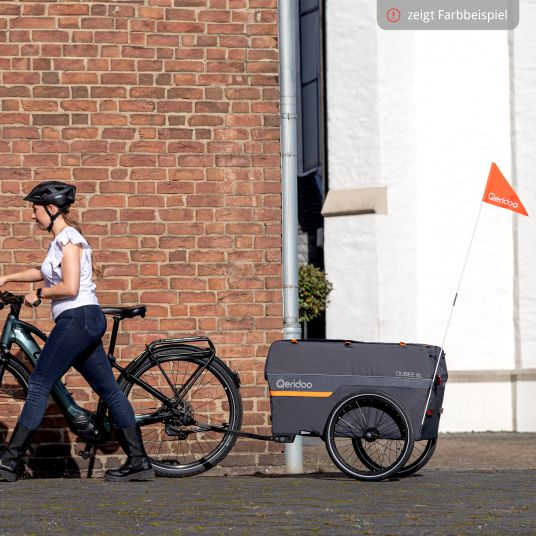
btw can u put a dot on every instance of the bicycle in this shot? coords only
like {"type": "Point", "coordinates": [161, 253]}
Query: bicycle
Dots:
{"type": "Point", "coordinates": [186, 400]}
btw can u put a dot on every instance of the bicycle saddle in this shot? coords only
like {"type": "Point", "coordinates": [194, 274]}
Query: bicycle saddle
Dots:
{"type": "Point", "coordinates": [125, 312]}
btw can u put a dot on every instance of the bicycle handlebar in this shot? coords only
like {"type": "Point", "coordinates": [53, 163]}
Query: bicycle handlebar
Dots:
{"type": "Point", "coordinates": [7, 298]}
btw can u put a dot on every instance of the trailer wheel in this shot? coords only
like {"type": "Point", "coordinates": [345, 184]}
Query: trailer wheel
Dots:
{"type": "Point", "coordinates": [369, 436]}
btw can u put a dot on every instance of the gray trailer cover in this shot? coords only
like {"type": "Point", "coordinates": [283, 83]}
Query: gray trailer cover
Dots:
{"type": "Point", "coordinates": [307, 378]}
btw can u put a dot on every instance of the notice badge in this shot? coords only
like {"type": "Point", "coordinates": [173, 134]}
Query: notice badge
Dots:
{"type": "Point", "coordinates": [448, 14]}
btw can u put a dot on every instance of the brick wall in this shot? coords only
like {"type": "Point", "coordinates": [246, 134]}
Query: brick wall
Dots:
{"type": "Point", "coordinates": [165, 115]}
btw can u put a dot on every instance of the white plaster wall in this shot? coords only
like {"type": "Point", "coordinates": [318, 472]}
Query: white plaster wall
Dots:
{"type": "Point", "coordinates": [524, 94]}
{"type": "Point", "coordinates": [354, 160]}
{"type": "Point", "coordinates": [396, 233]}
{"type": "Point", "coordinates": [350, 252]}
{"type": "Point", "coordinates": [526, 402]}
{"type": "Point", "coordinates": [423, 113]}
{"type": "Point", "coordinates": [352, 89]}
{"type": "Point", "coordinates": [477, 407]}
{"type": "Point", "coordinates": [371, 259]}
{"type": "Point", "coordinates": [462, 91]}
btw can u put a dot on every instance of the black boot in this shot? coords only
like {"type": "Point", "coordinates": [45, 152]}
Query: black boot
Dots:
{"type": "Point", "coordinates": [9, 459]}
{"type": "Point", "coordinates": [137, 466]}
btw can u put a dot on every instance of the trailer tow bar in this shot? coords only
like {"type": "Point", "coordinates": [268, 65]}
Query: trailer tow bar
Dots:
{"type": "Point", "coordinates": [223, 430]}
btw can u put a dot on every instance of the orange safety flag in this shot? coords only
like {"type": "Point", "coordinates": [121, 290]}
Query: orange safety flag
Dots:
{"type": "Point", "coordinates": [498, 192]}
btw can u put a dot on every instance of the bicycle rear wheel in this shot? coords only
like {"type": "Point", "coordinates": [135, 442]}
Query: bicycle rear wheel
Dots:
{"type": "Point", "coordinates": [179, 442]}
{"type": "Point", "coordinates": [369, 436]}
{"type": "Point", "coordinates": [13, 390]}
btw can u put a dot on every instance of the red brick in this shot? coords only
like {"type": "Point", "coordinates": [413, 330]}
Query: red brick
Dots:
{"type": "Point", "coordinates": [238, 29]}
{"type": "Point", "coordinates": [50, 36]}
{"type": "Point", "coordinates": [70, 78]}
{"type": "Point", "coordinates": [179, 27]}
{"type": "Point", "coordinates": [175, 133]}
{"type": "Point", "coordinates": [21, 78]}
{"type": "Point", "coordinates": [9, 50]}
{"type": "Point", "coordinates": [147, 119]}
{"type": "Point", "coordinates": [158, 297]}
{"type": "Point", "coordinates": [68, 9]}
{"type": "Point", "coordinates": [147, 93]}
{"type": "Point", "coordinates": [111, 37]}
{"type": "Point", "coordinates": [10, 9]}
{"type": "Point", "coordinates": [118, 133]}
{"type": "Point", "coordinates": [32, 22]}
{"type": "Point", "coordinates": [89, 147]}
{"type": "Point", "coordinates": [50, 147]}
{"type": "Point", "coordinates": [108, 119]}
{"type": "Point", "coordinates": [20, 132]}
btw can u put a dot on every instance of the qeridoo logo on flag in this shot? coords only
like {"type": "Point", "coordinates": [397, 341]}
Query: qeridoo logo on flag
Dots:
{"type": "Point", "coordinates": [498, 192]}
{"type": "Point", "coordinates": [495, 199]}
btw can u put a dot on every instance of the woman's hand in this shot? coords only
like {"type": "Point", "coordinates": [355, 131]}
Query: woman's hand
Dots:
{"type": "Point", "coordinates": [30, 299]}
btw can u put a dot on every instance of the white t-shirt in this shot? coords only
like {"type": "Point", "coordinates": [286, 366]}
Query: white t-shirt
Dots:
{"type": "Point", "coordinates": [51, 270]}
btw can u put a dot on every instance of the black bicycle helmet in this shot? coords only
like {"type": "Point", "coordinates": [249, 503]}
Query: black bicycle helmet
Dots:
{"type": "Point", "coordinates": [52, 193]}
{"type": "Point", "coordinates": [56, 193]}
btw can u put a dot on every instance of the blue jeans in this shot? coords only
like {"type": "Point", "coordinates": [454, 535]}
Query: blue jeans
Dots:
{"type": "Point", "coordinates": [75, 341]}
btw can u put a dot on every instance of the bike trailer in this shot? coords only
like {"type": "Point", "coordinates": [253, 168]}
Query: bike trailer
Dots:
{"type": "Point", "coordinates": [307, 378]}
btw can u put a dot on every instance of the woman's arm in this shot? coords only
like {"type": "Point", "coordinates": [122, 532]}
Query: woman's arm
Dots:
{"type": "Point", "coordinates": [70, 270]}
{"type": "Point", "coordinates": [28, 276]}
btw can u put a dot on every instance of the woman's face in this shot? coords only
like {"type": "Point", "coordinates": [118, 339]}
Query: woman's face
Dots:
{"type": "Point", "coordinates": [40, 216]}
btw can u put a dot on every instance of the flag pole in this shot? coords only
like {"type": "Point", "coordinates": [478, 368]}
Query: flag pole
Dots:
{"type": "Point", "coordinates": [441, 352]}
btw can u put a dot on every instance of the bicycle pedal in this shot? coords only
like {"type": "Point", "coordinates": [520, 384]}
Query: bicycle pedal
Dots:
{"type": "Point", "coordinates": [85, 454]}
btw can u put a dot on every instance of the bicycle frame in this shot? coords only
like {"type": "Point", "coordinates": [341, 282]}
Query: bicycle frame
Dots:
{"type": "Point", "coordinates": [22, 333]}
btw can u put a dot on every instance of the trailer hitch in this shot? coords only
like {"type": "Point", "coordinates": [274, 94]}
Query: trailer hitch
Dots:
{"type": "Point", "coordinates": [223, 430]}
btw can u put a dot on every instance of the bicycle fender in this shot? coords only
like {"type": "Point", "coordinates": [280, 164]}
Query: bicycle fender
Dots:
{"type": "Point", "coordinates": [12, 359]}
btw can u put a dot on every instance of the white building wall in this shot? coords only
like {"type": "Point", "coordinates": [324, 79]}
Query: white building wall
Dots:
{"type": "Point", "coordinates": [526, 402]}
{"type": "Point", "coordinates": [463, 125]}
{"type": "Point", "coordinates": [354, 141]}
{"type": "Point", "coordinates": [396, 244]}
{"type": "Point", "coordinates": [477, 407]}
{"type": "Point", "coordinates": [524, 120]}
{"type": "Point", "coordinates": [360, 251]}
{"type": "Point", "coordinates": [425, 114]}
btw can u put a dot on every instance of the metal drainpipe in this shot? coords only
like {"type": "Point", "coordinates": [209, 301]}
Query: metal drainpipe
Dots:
{"type": "Point", "coordinates": [289, 184]}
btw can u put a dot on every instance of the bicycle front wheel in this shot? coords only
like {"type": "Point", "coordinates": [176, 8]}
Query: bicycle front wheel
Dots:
{"type": "Point", "coordinates": [176, 434]}
{"type": "Point", "coordinates": [369, 436]}
{"type": "Point", "coordinates": [13, 390]}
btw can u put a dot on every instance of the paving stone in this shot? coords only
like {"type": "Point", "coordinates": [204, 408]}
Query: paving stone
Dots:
{"type": "Point", "coordinates": [474, 484]}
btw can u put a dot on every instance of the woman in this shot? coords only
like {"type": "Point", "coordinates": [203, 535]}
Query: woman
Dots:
{"type": "Point", "coordinates": [76, 337]}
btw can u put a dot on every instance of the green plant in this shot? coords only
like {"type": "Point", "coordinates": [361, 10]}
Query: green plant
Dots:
{"type": "Point", "coordinates": [314, 289]}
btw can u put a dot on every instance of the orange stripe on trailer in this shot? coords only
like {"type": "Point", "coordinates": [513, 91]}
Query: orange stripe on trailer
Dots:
{"type": "Point", "coordinates": [316, 394]}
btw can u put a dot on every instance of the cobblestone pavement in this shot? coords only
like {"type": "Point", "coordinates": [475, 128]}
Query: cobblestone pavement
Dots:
{"type": "Point", "coordinates": [476, 451]}
{"type": "Point", "coordinates": [453, 495]}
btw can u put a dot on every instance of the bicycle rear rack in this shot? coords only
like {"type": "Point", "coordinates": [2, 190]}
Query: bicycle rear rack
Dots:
{"type": "Point", "coordinates": [188, 344]}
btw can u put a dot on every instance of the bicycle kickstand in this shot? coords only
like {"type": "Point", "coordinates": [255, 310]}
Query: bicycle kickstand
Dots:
{"type": "Point", "coordinates": [86, 453]}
